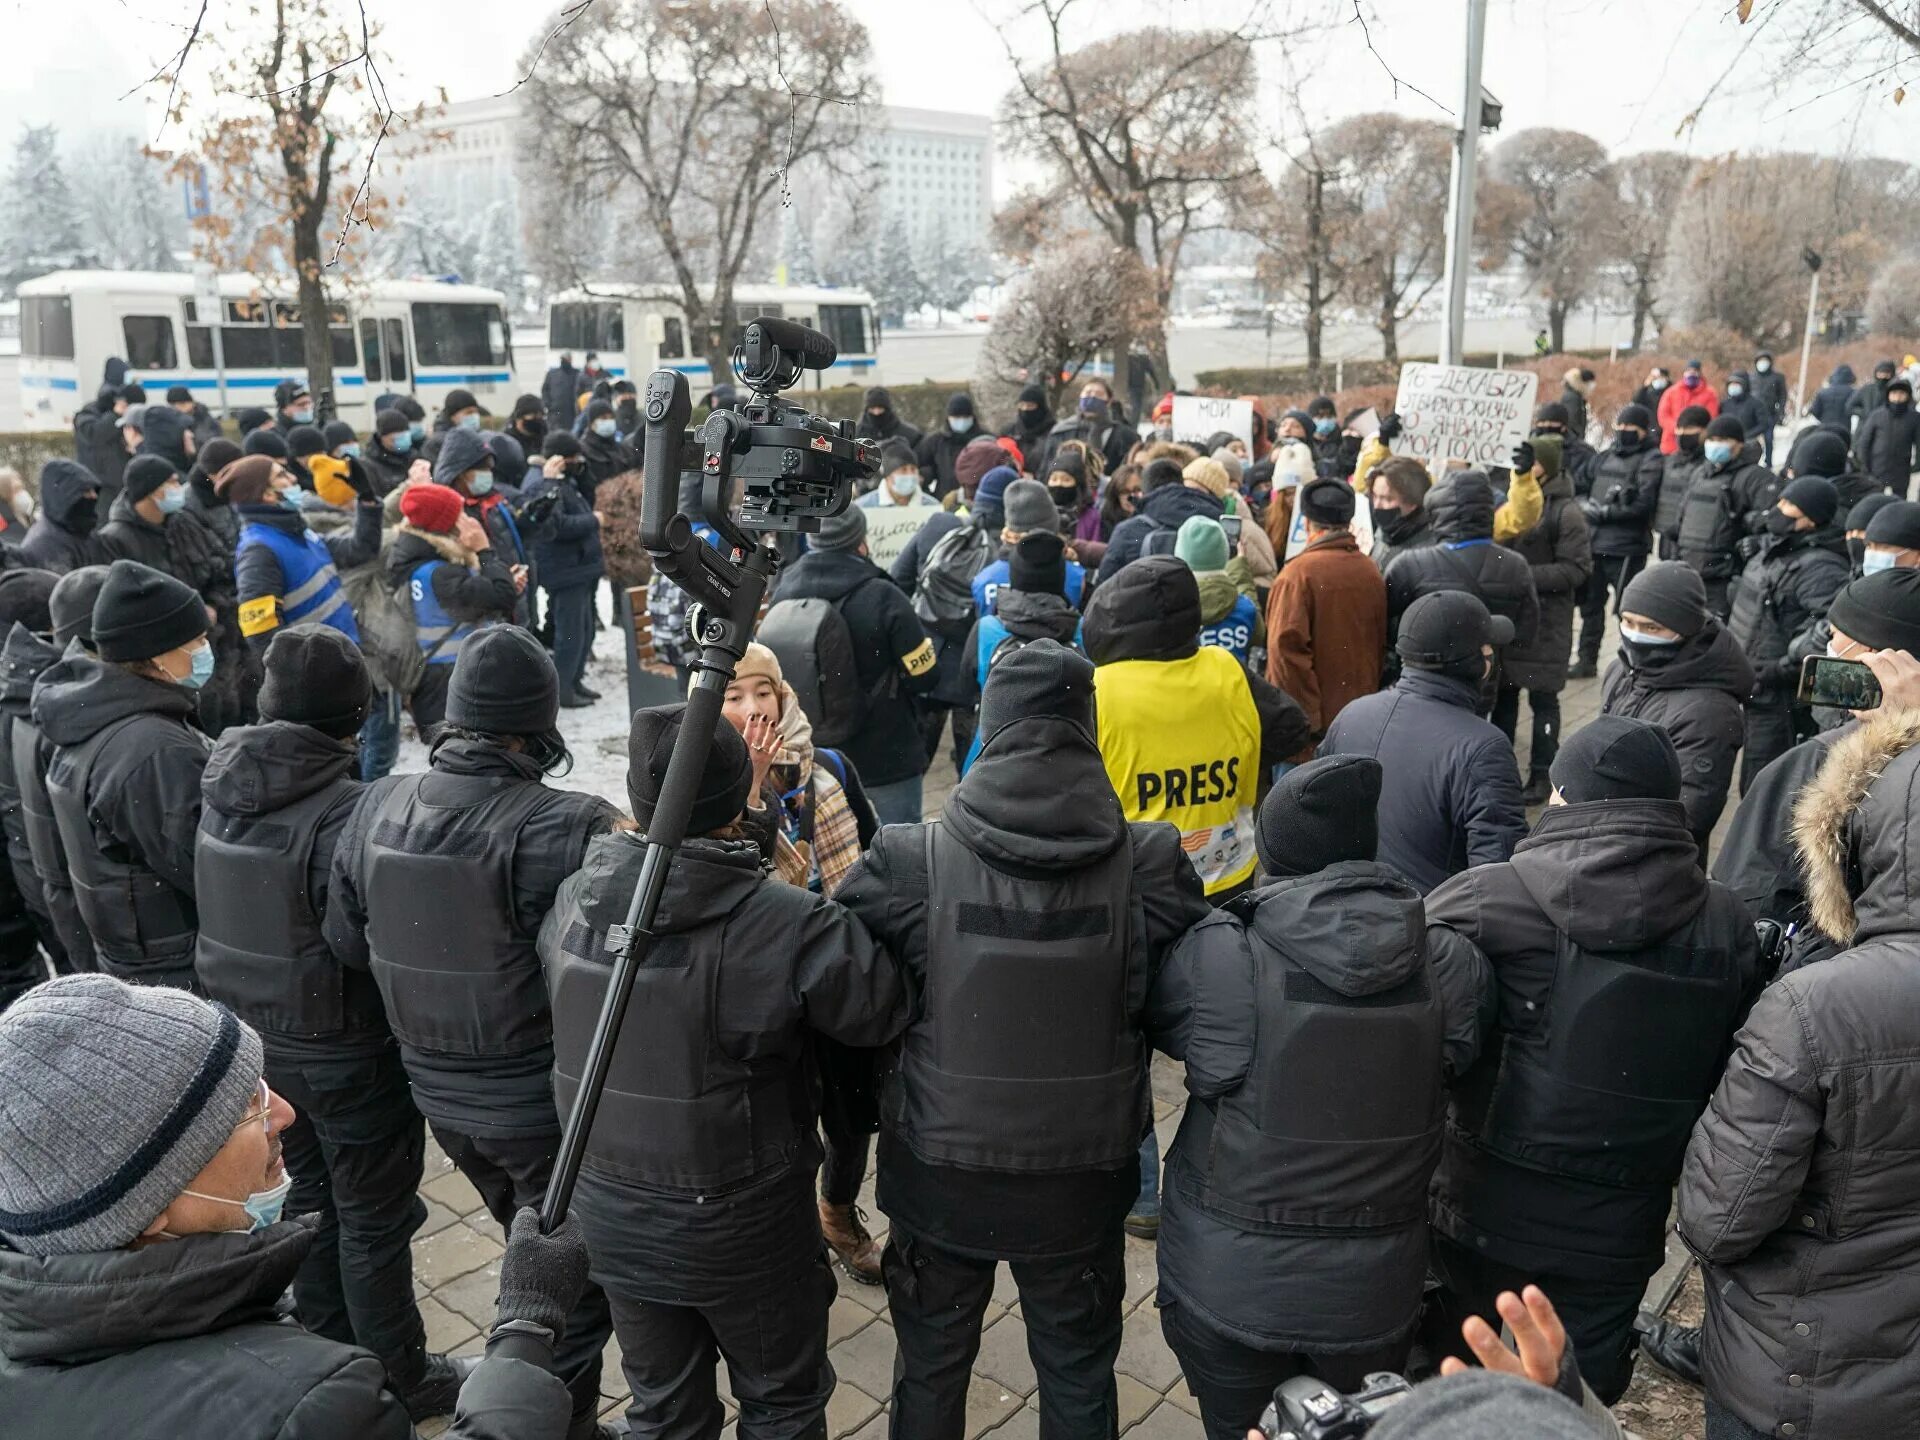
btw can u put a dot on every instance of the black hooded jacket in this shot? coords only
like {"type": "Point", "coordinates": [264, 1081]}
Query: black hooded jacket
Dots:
{"type": "Point", "coordinates": [1696, 691]}
{"type": "Point", "coordinates": [61, 536]}
{"type": "Point", "coordinates": [1829, 403]}
{"type": "Point", "coordinates": [98, 440]}
{"type": "Point", "coordinates": [1167, 508]}
{"type": "Point", "coordinates": [1465, 558]}
{"type": "Point", "coordinates": [887, 427]}
{"type": "Point", "coordinates": [1030, 434]}
{"type": "Point", "coordinates": [25, 657]}
{"type": "Point", "coordinates": [991, 814]}
{"type": "Point", "coordinates": [163, 432]}
{"type": "Point", "coordinates": [1757, 859]}
{"type": "Point", "coordinates": [1622, 495]}
{"type": "Point", "coordinates": [1027, 615]}
{"type": "Point", "coordinates": [193, 1343]}
{"type": "Point", "coordinates": [1888, 447]}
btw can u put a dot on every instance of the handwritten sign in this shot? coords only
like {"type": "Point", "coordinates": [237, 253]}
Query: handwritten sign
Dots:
{"type": "Point", "coordinates": [1459, 413]}
{"type": "Point", "coordinates": [891, 528]}
{"type": "Point", "coordinates": [1361, 526]}
{"type": "Point", "coordinates": [1198, 418]}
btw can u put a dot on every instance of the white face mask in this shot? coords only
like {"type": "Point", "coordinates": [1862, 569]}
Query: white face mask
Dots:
{"type": "Point", "coordinates": [903, 483]}
{"type": "Point", "coordinates": [1642, 637]}
{"type": "Point", "coordinates": [23, 504]}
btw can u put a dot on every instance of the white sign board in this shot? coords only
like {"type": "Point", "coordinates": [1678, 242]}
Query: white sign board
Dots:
{"type": "Point", "coordinates": [1460, 413]}
{"type": "Point", "coordinates": [1198, 418]}
{"type": "Point", "coordinates": [891, 528]}
{"type": "Point", "coordinates": [1362, 527]}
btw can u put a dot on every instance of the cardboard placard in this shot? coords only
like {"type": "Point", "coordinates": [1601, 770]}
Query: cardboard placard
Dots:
{"type": "Point", "coordinates": [1463, 414]}
{"type": "Point", "coordinates": [1362, 528]}
{"type": "Point", "coordinates": [891, 528]}
{"type": "Point", "coordinates": [1197, 418]}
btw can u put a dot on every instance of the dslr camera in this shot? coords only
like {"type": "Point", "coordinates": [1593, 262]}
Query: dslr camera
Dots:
{"type": "Point", "coordinates": [1305, 1408]}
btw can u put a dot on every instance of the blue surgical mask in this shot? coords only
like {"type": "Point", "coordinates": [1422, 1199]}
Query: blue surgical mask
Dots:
{"type": "Point", "coordinates": [350, 452]}
{"type": "Point", "coordinates": [401, 440]}
{"type": "Point", "coordinates": [417, 431]}
{"type": "Point", "coordinates": [470, 421]}
{"type": "Point", "coordinates": [1874, 561]}
{"type": "Point", "coordinates": [959, 424]}
{"type": "Point", "coordinates": [1719, 451]}
{"type": "Point", "coordinates": [1736, 391]}
{"type": "Point", "coordinates": [1324, 425]}
{"type": "Point", "coordinates": [303, 416]}
{"type": "Point", "coordinates": [202, 670]}
{"type": "Point", "coordinates": [604, 428]}
{"type": "Point", "coordinates": [263, 1207]}
{"type": "Point", "coordinates": [289, 497]}
{"type": "Point", "coordinates": [481, 484]}
{"type": "Point", "coordinates": [171, 499]}
{"type": "Point", "coordinates": [1641, 637]}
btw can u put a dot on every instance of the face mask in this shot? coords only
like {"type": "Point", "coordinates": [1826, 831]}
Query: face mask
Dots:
{"type": "Point", "coordinates": [301, 417]}
{"type": "Point", "coordinates": [1874, 561]}
{"type": "Point", "coordinates": [417, 431]}
{"type": "Point", "coordinates": [23, 504]}
{"type": "Point", "coordinates": [1659, 383]}
{"type": "Point", "coordinates": [959, 424]}
{"type": "Point", "coordinates": [1324, 426]}
{"type": "Point", "coordinates": [1092, 406]}
{"type": "Point", "coordinates": [1626, 439]}
{"type": "Point", "coordinates": [604, 429]}
{"type": "Point", "coordinates": [1641, 637]}
{"type": "Point", "coordinates": [402, 441]}
{"type": "Point", "coordinates": [1691, 381]}
{"type": "Point", "coordinates": [263, 1207]}
{"type": "Point", "coordinates": [1763, 366]}
{"type": "Point", "coordinates": [1689, 444]}
{"type": "Point", "coordinates": [201, 672]}
{"type": "Point", "coordinates": [1780, 523]}
{"type": "Point", "coordinates": [471, 421]}
{"type": "Point", "coordinates": [1027, 412]}
{"type": "Point", "coordinates": [1736, 391]}
{"type": "Point", "coordinates": [170, 500]}
{"type": "Point", "coordinates": [534, 428]}
{"type": "Point", "coordinates": [902, 483]}
{"type": "Point", "coordinates": [1065, 497]}
{"type": "Point", "coordinates": [289, 497]}
{"type": "Point", "coordinates": [1897, 405]}
{"type": "Point", "coordinates": [480, 484]}
{"type": "Point", "coordinates": [350, 452]}
{"type": "Point", "coordinates": [82, 517]}
{"type": "Point", "coordinates": [1719, 451]}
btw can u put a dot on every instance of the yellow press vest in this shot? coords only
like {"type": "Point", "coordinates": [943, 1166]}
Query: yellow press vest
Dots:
{"type": "Point", "coordinates": [1181, 743]}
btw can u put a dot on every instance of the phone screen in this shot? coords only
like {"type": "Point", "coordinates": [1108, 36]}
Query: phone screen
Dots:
{"type": "Point", "coordinates": [1231, 524]}
{"type": "Point", "coordinates": [1838, 684]}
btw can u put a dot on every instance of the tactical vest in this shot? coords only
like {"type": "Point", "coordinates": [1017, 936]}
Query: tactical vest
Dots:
{"type": "Point", "coordinates": [261, 951]}
{"type": "Point", "coordinates": [43, 840]}
{"type": "Point", "coordinates": [1590, 1087]}
{"type": "Point", "coordinates": [1707, 535]}
{"type": "Point", "coordinates": [142, 928]}
{"type": "Point", "coordinates": [436, 632]}
{"type": "Point", "coordinates": [679, 1112]}
{"type": "Point", "coordinates": [988, 584]}
{"type": "Point", "coordinates": [311, 585]}
{"type": "Point", "coordinates": [1181, 743]}
{"type": "Point", "coordinates": [1027, 1056]}
{"type": "Point", "coordinates": [1337, 1125]}
{"type": "Point", "coordinates": [457, 976]}
{"type": "Point", "coordinates": [1233, 632]}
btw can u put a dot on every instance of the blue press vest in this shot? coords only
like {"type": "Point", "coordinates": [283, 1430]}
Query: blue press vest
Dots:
{"type": "Point", "coordinates": [432, 625]}
{"type": "Point", "coordinates": [1233, 631]}
{"type": "Point", "coordinates": [993, 632]}
{"type": "Point", "coordinates": [988, 582]}
{"type": "Point", "coordinates": [312, 586]}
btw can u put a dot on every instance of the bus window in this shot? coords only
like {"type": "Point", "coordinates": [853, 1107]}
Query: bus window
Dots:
{"type": "Point", "coordinates": [745, 315]}
{"type": "Point", "coordinates": [149, 342]}
{"type": "Point", "coordinates": [370, 347]}
{"type": "Point", "coordinates": [587, 325]}
{"type": "Point", "coordinates": [396, 350]}
{"type": "Point", "coordinates": [673, 343]}
{"type": "Point", "coordinates": [465, 333]}
{"type": "Point", "coordinates": [845, 325]}
{"type": "Point", "coordinates": [46, 326]}
{"type": "Point", "coordinates": [291, 340]}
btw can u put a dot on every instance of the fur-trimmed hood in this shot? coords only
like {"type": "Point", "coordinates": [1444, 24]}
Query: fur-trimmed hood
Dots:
{"type": "Point", "coordinates": [1852, 828]}
{"type": "Point", "coordinates": [448, 548]}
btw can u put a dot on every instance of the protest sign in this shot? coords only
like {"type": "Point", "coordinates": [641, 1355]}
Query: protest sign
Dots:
{"type": "Point", "coordinates": [1460, 413]}
{"type": "Point", "coordinates": [1362, 527]}
{"type": "Point", "coordinates": [890, 528]}
{"type": "Point", "coordinates": [1198, 418]}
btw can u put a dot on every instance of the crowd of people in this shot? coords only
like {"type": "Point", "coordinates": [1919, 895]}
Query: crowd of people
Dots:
{"type": "Point", "coordinates": [1234, 724]}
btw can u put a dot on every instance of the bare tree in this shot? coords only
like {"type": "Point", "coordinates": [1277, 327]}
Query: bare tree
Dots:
{"type": "Point", "coordinates": [686, 118]}
{"type": "Point", "coordinates": [1147, 129]}
{"type": "Point", "coordinates": [1562, 179]}
{"type": "Point", "coordinates": [1394, 175]}
{"type": "Point", "coordinates": [1893, 304]}
{"type": "Point", "coordinates": [1647, 187]}
{"type": "Point", "coordinates": [1303, 222]}
{"type": "Point", "coordinates": [1079, 298]}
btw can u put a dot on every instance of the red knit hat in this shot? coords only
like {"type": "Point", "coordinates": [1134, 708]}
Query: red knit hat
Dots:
{"type": "Point", "coordinates": [431, 507]}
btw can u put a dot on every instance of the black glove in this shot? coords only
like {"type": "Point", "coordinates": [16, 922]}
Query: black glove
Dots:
{"type": "Point", "coordinates": [541, 1276]}
{"type": "Point", "coordinates": [1748, 547]}
{"type": "Point", "coordinates": [537, 510]}
{"type": "Point", "coordinates": [1390, 427]}
{"type": "Point", "coordinates": [1523, 459]}
{"type": "Point", "coordinates": [360, 480]}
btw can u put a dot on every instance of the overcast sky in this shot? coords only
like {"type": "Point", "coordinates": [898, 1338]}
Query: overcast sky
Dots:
{"type": "Point", "coordinates": [1625, 71]}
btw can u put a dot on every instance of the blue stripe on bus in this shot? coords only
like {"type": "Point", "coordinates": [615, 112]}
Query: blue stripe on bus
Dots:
{"type": "Point", "coordinates": [477, 377]}
{"type": "Point", "coordinates": [48, 382]}
{"type": "Point", "coordinates": [236, 382]}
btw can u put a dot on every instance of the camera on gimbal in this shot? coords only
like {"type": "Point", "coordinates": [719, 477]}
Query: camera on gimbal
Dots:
{"type": "Point", "coordinates": [1305, 1408]}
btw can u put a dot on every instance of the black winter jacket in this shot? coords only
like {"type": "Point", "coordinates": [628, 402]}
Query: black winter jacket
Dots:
{"type": "Point", "coordinates": [1749, 409]}
{"type": "Point", "coordinates": [1798, 1189]}
{"type": "Point", "coordinates": [1558, 552]}
{"type": "Point", "coordinates": [61, 537]}
{"type": "Point", "coordinates": [936, 455]}
{"type": "Point", "coordinates": [1865, 400]}
{"type": "Point", "coordinates": [1451, 795]}
{"type": "Point", "coordinates": [1617, 879]}
{"type": "Point", "coordinates": [1757, 859]}
{"type": "Point", "coordinates": [1461, 511]}
{"type": "Point", "coordinates": [1723, 505]}
{"type": "Point", "coordinates": [1888, 447]}
{"type": "Point", "coordinates": [1405, 532]}
{"type": "Point", "coordinates": [22, 661]}
{"type": "Point", "coordinates": [1783, 592]}
{"type": "Point", "coordinates": [1829, 403]}
{"type": "Point", "coordinates": [568, 550]}
{"type": "Point", "coordinates": [1696, 691]}
{"type": "Point", "coordinates": [194, 1344]}
{"type": "Point", "coordinates": [1676, 478]}
{"type": "Point", "coordinates": [482, 594]}
{"type": "Point", "coordinates": [99, 443]}
{"type": "Point", "coordinates": [1358, 930]}
{"type": "Point", "coordinates": [1770, 389]}
{"type": "Point", "coordinates": [888, 427]}
{"type": "Point", "coordinates": [387, 467]}
{"type": "Point", "coordinates": [1623, 493]}
{"type": "Point", "coordinates": [1167, 508]}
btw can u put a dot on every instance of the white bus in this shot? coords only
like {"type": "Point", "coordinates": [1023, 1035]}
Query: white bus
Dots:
{"type": "Point", "coordinates": [636, 329]}
{"type": "Point", "coordinates": [406, 336]}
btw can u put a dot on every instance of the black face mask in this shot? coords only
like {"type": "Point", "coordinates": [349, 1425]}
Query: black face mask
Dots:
{"type": "Point", "coordinates": [1689, 444]}
{"type": "Point", "coordinates": [84, 515]}
{"type": "Point", "coordinates": [1065, 497]}
{"type": "Point", "coordinates": [1780, 523]}
{"type": "Point", "coordinates": [1626, 441]}
{"type": "Point", "coordinates": [1395, 525]}
{"type": "Point", "coordinates": [1649, 657]}
{"type": "Point", "coordinates": [534, 427]}
{"type": "Point", "coordinates": [1899, 406]}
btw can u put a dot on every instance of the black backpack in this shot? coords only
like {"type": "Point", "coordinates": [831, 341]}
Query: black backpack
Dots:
{"type": "Point", "coordinates": [815, 650]}
{"type": "Point", "coordinates": [944, 596]}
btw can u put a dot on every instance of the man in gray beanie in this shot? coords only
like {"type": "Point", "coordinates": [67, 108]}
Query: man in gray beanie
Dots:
{"type": "Point", "coordinates": [141, 1200]}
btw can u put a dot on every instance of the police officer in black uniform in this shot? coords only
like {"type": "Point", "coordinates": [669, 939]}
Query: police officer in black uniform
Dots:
{"type": "Point", "coordinates": [440, 883]}
{"type": "Point", "coordinates": [276, 797]}
{"type": "Point", "coordinates": [25, 926]}
{"type": "Point", "coordinates": [1013, 1114]}
{"type": "Point", "coordinates": [696, 1191]}
{"type": "Point", "coordinates": [1622, 975]}
{"type": "Point", "coordinates": [1293, 1237]}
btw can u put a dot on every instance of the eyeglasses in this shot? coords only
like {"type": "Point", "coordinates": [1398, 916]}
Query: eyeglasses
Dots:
{"type": "Point", "coordinates": [263, 1114]}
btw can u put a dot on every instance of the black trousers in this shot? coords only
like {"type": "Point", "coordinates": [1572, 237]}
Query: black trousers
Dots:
{"type": "Point", "coordinates": [510, 1171]}
{"type": "Point", "coordinates": [428, 703]}
{"type": "Point", "coordinates": [1598, 1314]}
{"type": "Point", "coordinates": [1072, 1314]}
{"type": "Point", "coordinates": [1235, 1382]}
{"type": "Point", "coordinates": [1545, 705]}
{"type": "Point", "coordinates": [934, 719]}
{"type": "Point", "coordinates": [845, 1165]}
{"type": "Point", "coordinates": [356, 1150]}
{"type": "Point", "coordinates": [1610, 572]}
{"type": "Point", "coordinates": [773, 1336]}
{"type": "Point", "coordinates": [1771, 731]}
{"type": "Point", "coordinates": [571, 610]}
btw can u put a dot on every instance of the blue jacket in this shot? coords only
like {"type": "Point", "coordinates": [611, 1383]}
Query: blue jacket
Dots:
{"type": "Point", "coordinates": [566, 550]}
{"type": "Point", "coordinates": [1234, 631]}
{"type": "Point", "coordinates": [990, 581]}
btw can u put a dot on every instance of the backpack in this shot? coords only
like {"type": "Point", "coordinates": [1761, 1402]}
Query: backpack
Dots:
{"type": "Point", "coordinates": [1159, 539]}
{"type": "Point", "coordinates": [815, 649]}
{"type": "Point", "coordinates": [387, 635]}
{"type": "Point", "coordinates": [945, 593]}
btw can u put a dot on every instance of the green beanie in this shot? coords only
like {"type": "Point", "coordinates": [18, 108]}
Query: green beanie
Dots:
{"type": "Point", "coordinates": [1202, 543]}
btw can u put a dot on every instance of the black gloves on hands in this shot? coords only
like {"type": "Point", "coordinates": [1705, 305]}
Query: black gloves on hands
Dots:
{"type": "Point", "coordinates": [1390, 427]}
{"type": "Point", "coordinates": [1523, 459]}
{"type": "Point", "coordinates": [541, 1276]}
{"type": "Point", "coordinates": [359, 478]}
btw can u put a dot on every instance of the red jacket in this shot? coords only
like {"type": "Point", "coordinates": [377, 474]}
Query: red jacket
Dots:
{"type": "Point", "coordinates": [1676, 398]}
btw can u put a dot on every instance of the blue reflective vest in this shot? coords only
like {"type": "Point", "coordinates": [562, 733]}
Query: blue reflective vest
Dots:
{"type": "Point", "coordinates": [1233, 631]}
{"type": "Point", "coordinates": [993, 634]}
{"type": "Point", "coordinates": [988, 582]}
{"type": "Point", "coordinates": [310, 585]}
{"type": "Point", "coordinates": [432, 625]}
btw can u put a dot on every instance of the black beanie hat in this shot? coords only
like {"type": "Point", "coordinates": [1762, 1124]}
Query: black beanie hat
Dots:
{"type": "Point", "coordinates": [1447, 627]}
{"type": "Point", "coordinates": [389, 422]}
{"type": "Point", "coordinates": [214, 456]}
{"type": "Point", "coordinates": [1880, 611]}
{"type": "Point", "coordinates": [337, 433]}
{"type": "Point", "coordinates": [503, 683]}
{"type": "Point", "coordinates": [1693, 415]}
{"type": "Point", "coordinates": [1861, 515]}
{"type": "Point", "coordinates": [71, 604]}
{"type": "Point", "coordinates": [1819, 451]}
{"type": "Point", "coordinates": [316, 676]}
{"type": "Point", "coordinates": [726, 782]}
{"type": "Point", "coordinates": [1615, 758]}
{"type": "Point", "coordinates": [896, 455]}
{"type": "Point", "coordinates": [1552, 413]}
{"type": "Point", "coordinates": [1634, 415]}
{"type": "Point", "coordinates": [878, 398]}
{"type": "Point", "coordinates": [1815, 497]}
{"type": "Point", "coordinates": [1725, 427]}
{"type": "Point", "coordinates": [141, 612]}
{"type": "Point", "coordinates": [1319, 814]}
{"type": "Point", "coordinates": [563, 443]}
{"type": "Point", "coordinates": [1039, 564]}
{"type": "Point", "coordinates": [179, 395]}
{"type": "Point", "coordinates": [251, 419]}
{"type": "Point", "coordinates": [458, 400]}
{"type": "Point", "coordinates": [305, 440]}
{"type": "Point", "coordinates": [145, 474]}
{"type": "Point", "coordinates": [1032, 395]}
{"type": "Point", "coordinates": [1327, 502]}
{"type": "Point", "coordinates": [1042, 680]}
{"type": "Point", "coordinates": [266, 442]}
{"type": "Point", "coordinates": [25, 597]}
{"type": "Point", "coordinates": [1896, 524]}
{"type": "Point", "coordinates": [1671, 595]}
{"type": "Point", "coordinates": [961, 404]}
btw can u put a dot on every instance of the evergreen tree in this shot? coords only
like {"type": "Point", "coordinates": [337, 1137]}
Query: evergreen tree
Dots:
{"type": "Point", "coordinates": [948, 272]}
{"type": "Point", "coordinates": [895, 283]}
{"type": "Point", "coordinates": [129, 210]}
{"type": "Point", "coordinates": [43, 230]}
{"type": "Point", "coordinates": [800, 267]}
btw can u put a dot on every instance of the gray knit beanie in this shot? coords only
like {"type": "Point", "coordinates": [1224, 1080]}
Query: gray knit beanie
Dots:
{"type": "Point", "coordinates": [1482, 1405]}
{"type": "Point", "coordinates": [112, 1098]}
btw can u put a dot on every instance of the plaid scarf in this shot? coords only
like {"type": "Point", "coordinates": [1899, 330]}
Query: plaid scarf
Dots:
{"type": "Point", "coordinates": [819, 837]}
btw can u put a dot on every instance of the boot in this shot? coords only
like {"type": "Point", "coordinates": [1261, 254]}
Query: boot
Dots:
{"type": "Point", "coordinates": [439, 1386]}
{"type": "Point", "coordinates": [846, 1234]}
{"type": "Point", "coordinates": [1538, 789]}
{"type": "Point", "coordinates": [1674, 1348]}
{"type": "Point", "coordinates": [572, 699]}
{"type": "Point", "coordinates": [581, 689]}
{"type": "Point", "coordinates": [1584, 669]}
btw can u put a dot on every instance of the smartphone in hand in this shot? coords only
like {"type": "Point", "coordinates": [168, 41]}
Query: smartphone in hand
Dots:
{"type": "Point", "coordinates": [1837, 684]}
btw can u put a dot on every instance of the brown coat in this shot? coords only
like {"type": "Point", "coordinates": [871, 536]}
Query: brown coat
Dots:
{"type": "Point", "coordinates": [1327, 628]}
